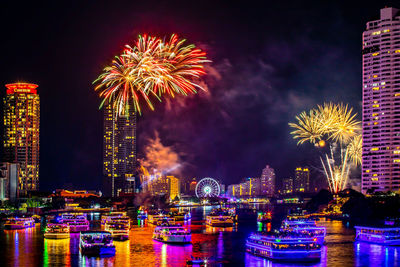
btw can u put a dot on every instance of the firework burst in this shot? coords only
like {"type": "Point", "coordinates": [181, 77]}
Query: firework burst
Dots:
{"type": "Point", "coordinates": [151, 68]}
{"type": "Point", "coordinates": [336, 123]}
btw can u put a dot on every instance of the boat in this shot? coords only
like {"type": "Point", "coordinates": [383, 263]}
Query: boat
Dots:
{"type": "Point", "coordinates": [286, 248]}
{"type": "Point", "coordinates": [172, 234]}
{"type": "Point", "coordinates": [96, 243]}
{"type": "Point", "coordinates": [141, 214]}
{"type": "Point", "coordinates": [306, 228]}
{"type": "Point", "coordinates": [119, 230]}
{"type": "Point", "coordinates": [389, 236]}
{"type": "Point", "coordinates": [19, 223]}
{"type": "Point", "coordinates": [196, 261]}
{"type": "Point", "coordinates": [77, 222]}
{"type": "Point", "coordinates": [264, 217]}
{"type": "Point", "coordinates": [180, 215]}
{"type": "Point", "coordinates": [56, 231]}
{"type": "Point", "coordinates": [220, 218]}
{"type": "Point", "coordinates": [158, 219]}
{"type": "Point", "coordinates": [111, 215]}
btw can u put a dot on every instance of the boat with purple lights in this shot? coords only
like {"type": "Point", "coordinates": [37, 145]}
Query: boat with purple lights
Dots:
{"type": "Point", "coordinates": [389, 236]}
{"type": "Point", "coordinates": [77, 222]}
{"type": "Point", "coordinates": [172, 234]}
{"type": "Point", "coordinates": [220, 218]}
{"type": "Point", "coordinates": [19, 223]}
{"type": "Point", "coordinates": [306, 228]}
{"type": "Point", "coordinates": [283, 247]}
{"type": "Point", "coordinates": [96, 243]}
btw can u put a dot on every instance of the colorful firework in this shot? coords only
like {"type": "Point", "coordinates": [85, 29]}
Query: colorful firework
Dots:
{"type": "Point", "coordinates": [336, 123]}
{"type": "Point", "coordinates": [151, 68]}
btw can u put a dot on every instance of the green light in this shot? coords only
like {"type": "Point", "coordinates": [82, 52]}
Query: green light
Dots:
{"type": "Point", "coordinates": [277, 240]}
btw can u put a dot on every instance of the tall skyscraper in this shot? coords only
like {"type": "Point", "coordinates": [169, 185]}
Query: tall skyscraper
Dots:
{"type": "Point", "coordinates": [119, 151]}
{"type": "Point", "coordinates": [287, 185]}
{"type": "Point", "coordinates": [302, 179]}
{"type": "Point", "coordinates": [21, 133]}
{"type": "Point", "coordinates": [381, 103]}
{"type": "Point", "coordinates": [268, 181]}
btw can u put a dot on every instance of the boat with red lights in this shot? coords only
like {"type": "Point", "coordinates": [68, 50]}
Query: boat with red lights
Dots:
{"type": "Point", "coordinates": [264, 217]}
{"type": "Point", "coordinates": [110, 216]}
{"type": "Point", "coordinates": [119, 229]}
{"type": "Point", "coordinates": [220, 218]}
{"type": "Point", "coordinates": [77, 222]}
{"type": "Point", "coordinates": [19, 223]}
{"type": "Point", "coordinates": [286, 248]}
{"type": "Point", "coordinates": [96, 243]}
{"type": "Point", "coordinates": [172, 234]}
{"type": "Point", "coordinates": [56, 231]}
{"type": "Point", "coordinates": [389, 236]}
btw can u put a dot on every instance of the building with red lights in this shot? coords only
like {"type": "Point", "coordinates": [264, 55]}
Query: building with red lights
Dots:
{"type": "Point", "coordinates": [21, 133]}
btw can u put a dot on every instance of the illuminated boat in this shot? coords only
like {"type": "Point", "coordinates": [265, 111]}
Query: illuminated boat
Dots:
{"type": "Point", "coordinates": [220, 218]}
{"type": "Point", "coordinates": [284, 248]}
{"type": "Point", "coordinates": [119, 230]}
{"type": "Point", "coordinates": [264, 217]}
{"type": "Point", "coordinates": [77, 222]}
{"type": "Point", "coordinates": [172, 234]}
{"type": "Point", "coordinates": [111, 215]}
{"type": "Point", "coordinates": [141, 214]}
{"type": "Point", "coordinates": [306, 228]}
{"type": "Point", "coordinates": [383, 236]}
{"type": "Point", "coordinates": [96, 243]}
{"type": "Point", "coordinates": [56, 231]}
{"type": "Point", "coordinates": [160, 219]}
{"type": "Point", "coordinates": [180, 215]}
{"type": "Point", "coordinates": [19, 223]}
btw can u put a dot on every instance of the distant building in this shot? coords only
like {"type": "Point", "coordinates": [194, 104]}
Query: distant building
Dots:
{"type": "Point", "coordinates": [119, 151]}
{"type": "Point", "coordinates": [163, 185]}
{"type": "Point", "coordinates": [75, 193]}
{"type": "Point", "coordinates": [192, 186]}
{"type": "Point", "coordinates": [381, 103]}
{"type": "Point", "coordinates": [287, 186]}
{"type": "Point", "coordinates": [302, 179]}
{"type": "Point", "coordinates": [21, 133]}
{"type": "Point", "coordinates": [268, 181]}
{"type": "Point", "coordinates": [9, 177]}
{"type": "Point", "coordinates": [254, 185]}
{"type": "Point", "coordinates": [174, 187]}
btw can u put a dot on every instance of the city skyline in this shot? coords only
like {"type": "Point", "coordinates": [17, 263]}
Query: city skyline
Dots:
{"type": "Point", "coordinates": [71, 140]}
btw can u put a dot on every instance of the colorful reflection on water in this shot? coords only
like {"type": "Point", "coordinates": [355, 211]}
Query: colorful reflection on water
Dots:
{"type": "Point", "coordinates": [222, 246]}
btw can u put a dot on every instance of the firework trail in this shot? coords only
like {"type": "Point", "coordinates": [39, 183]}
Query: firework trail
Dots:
{"type": "Point", "coordinates": [335, 123]}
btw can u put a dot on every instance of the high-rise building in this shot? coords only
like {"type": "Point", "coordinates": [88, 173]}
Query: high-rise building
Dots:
{"type": "Point", "coordinates": [9, 181]}
{"type": "Point", "coordinates": [21, 133]}
{"type": "Point", "coordinates": [381, 103]}
{"type": "Point", "coordinates": [287, 186]}
{"type": "Point", "coordinates": [174, 187]}
{"type": "Point", "coordinates": [302, 180]}
{"type": "Point", "coordinates": [119, 151]}
{"type": "Point", "coordinates": [268, 181]}
{"type": "Point", "coordinates": [163, 185]}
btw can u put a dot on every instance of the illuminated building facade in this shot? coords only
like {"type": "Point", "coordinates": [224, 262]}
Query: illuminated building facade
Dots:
{"type": "Point", "coordinates": [302, 179]}
{"type": "Point", "coordinates": [119, 151]}
{"type": "Point", "coordinates": [174, 187]}
{"type": "Point", "coordinates": [163, 185]}
{"type": "Point", "coordinates": [381, 103]}
{"type": "Point", "coordinates": [268, 181]}
{"type": "Point", "coordinates": [21, 133]}
{"type": "Point", "coordinates": [287, 186]}
{"type": "Point", "coordinates": [9, 181]}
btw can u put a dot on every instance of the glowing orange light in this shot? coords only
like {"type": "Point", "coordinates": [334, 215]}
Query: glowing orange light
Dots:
{"type": "Point", "coordinates": [27, 88]}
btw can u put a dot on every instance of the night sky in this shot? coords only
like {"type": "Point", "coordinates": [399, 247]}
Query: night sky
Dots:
{"type": "Point", "coordinates": [271, 60]}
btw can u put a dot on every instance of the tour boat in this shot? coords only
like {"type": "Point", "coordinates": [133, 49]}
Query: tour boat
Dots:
{"type": "Point", "coordinates": [172, 234]}
{"type": "Point", "coordinates": [19, 223]}
{"type": "Point", "coordinates": [119, 230]}
{"type": "Point", "coordinates": [159, 219]}
{"type": "Point", "coordinates": [141, 214]}
{"type": "Point", "coordinates": [287, 248]}
{"type": "Point", "coordinates": [306, 228]}
{"type": "Point", "coordinates": [264, 217]}
{"type": "Point", "coordinates": [96, 243]}
{"type": "Point", "coordinates": [111, 215]}
{"type": "Point", "coordinates": [383, 236]}
{"type": "Point", "coordinates": [180, 215]}
{"type": "Point", "coordinates": [220, 218]}
{"type": "Point", "coordinates": [76, 221]}
{"type": "Point", "coordinates": [56, 231]}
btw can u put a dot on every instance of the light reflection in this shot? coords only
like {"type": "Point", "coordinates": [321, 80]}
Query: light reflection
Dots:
{"type": "Point", "coordinates": [56, 252]}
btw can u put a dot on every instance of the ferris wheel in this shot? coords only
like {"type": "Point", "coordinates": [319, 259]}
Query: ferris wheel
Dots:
{"type": "Point", "coordinates": [207, 187]}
